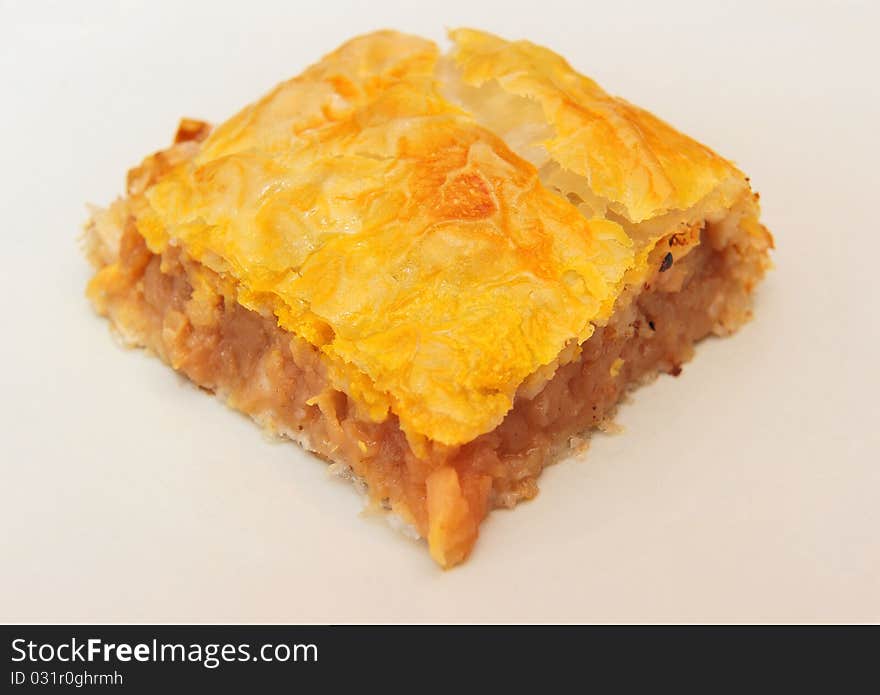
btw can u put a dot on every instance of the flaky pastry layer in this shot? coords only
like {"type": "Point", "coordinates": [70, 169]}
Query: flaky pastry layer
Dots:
{"type": "Point", "coordinates": [379, 219]}
{"type": "Point", "coordinates": [445, 240]}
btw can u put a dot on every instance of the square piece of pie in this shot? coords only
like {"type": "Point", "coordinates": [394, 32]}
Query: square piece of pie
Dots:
{"type": "Point", "coordinates": [435, 271]}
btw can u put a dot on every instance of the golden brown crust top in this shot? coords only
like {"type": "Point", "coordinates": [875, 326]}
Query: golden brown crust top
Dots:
{"type": "Point", "coordinates": [422, 256]}
{"type": "Point", "coordinates": [632, 159]}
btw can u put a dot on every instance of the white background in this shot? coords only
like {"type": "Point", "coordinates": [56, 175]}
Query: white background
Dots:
{"type": "Point", "coordinates": [746, 489]}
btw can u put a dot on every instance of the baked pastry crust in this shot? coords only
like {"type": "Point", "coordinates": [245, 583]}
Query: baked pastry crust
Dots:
{"type": "Point", "coordinates": [640, 166]}
{"type": "Point", "coordinates": [444, 232]}
{"type": "Point", "coordinates": [387, 228]}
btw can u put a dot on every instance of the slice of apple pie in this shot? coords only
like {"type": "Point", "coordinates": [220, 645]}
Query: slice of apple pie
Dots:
{"type": "Point", "coordinates": [434, 271]}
